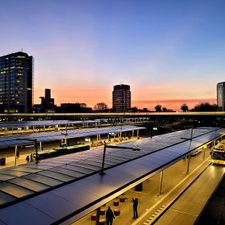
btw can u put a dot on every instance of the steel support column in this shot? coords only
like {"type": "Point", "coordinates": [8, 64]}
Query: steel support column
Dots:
{"type": "Point", "coordinates": [160, 182]}
{"type": "Point", "coordinates": [15, 154]}
{"type": "Point", "coordinates": [103, 160]}
{"type": "Point", "coordinates": [97, 216]}
{"type": "Point", "coordinates": [188, 163]}
{"type": "Point", "coordinates": [204, 149]}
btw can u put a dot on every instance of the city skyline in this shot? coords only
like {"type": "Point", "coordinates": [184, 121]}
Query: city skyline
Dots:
{"type": "Point", "coordinates": [169, 52]}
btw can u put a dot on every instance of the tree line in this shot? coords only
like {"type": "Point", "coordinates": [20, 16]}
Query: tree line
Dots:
{"type": "Point", "coordinates": [202, 107]}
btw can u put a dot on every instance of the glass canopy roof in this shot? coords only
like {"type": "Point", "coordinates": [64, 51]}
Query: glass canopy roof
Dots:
{"type": "Point", "coordinates": [6, 141]}
{"type": "Point", "coordinates": [59, 175]}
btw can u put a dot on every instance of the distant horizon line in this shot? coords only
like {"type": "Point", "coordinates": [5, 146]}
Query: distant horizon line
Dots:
{"type": "Point", "coordinates": [150, 104]}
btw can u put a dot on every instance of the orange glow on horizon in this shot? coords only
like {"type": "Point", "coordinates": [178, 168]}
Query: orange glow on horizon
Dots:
{"type": "Point", "coordinates": [92, 96]}
{"type": "Point", "coordinates": [173, 104]}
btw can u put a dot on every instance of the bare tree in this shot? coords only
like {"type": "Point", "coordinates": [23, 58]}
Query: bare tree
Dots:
{"type": "Point", "coordinates": [101, 106]}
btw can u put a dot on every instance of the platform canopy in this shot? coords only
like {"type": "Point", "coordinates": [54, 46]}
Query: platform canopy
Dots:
{"type": "Point", "coordinates": [7, 141]}
{"type": "Point", "coordinates": [63, 189]}
{"type": "Point", "coordinates": [45, 123]}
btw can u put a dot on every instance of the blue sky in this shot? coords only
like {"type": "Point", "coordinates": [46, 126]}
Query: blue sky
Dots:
{"type": "Point", "coordinates": [166, 50]}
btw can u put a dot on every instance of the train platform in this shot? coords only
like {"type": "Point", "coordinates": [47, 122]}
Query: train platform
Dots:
{"type": "Point", "coordinates": [180, 203]}
{"type": "Point", "coordinates": [176, 161]}
{"type": "Point", "coordinates": [214, 211]}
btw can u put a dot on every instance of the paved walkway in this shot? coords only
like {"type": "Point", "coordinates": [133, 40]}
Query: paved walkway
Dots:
{"type": "Point", "coordinates": [186, 210]}
{"type": "Point", "coordinates": [214, 212]}
{"type": "Point", "coordinates": [11, 160]}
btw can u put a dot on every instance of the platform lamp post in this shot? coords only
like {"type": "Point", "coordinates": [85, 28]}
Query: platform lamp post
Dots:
{"type": "Point", "coordinates": [189, 156]}
{"type": "Point", "coordinates": [113, 146]}
{"type": "Point", "coordinates": [103, 167]}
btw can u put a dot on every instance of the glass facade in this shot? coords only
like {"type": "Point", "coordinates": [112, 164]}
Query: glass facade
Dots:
{"type": "Point", "coordinates": [16, 83]}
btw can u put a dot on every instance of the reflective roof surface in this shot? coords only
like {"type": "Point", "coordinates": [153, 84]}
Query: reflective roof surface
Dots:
{"type": "Point", "coordinates": [14, 124]}
{"type": "Point", "coordinates": [6, 141]}
{"type": "Point", "coordinates": [70, 185]}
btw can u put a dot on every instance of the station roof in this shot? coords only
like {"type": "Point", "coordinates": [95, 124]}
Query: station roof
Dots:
{"type": "Point", "coordinates": [62, 189]}
{"type": "Point", "coordinates": [6, 141]}
{"type": "Point", "coordinates": [42, 123]}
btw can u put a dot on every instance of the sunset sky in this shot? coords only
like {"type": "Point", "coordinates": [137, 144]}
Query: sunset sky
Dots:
{"type": "Point", "coordinates": [169, 51]}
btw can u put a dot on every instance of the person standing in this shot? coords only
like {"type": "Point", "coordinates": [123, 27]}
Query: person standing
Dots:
{"type": "Point", "coordinates": [135, 208]}
{"type": "Point", "coordinates": [28, 158]}
{"type": "Point", "coordinates": [109, 216]}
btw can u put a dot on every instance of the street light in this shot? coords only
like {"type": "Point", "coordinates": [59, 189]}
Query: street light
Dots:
{"type": "Point", "coordinates": [113, 146]}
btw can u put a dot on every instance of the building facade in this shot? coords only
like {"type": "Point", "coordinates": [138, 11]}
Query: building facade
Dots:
{"type": "Point", "coordinates": [74, 108]}
{"type": "Point", "coordinates": [16, 83]}
{"type": "Point", "coordinates": [221, 96]}
{"type": "Point", "coordinates": [121, 98]}
{"type": "Point", "coordinates": [47, 103]}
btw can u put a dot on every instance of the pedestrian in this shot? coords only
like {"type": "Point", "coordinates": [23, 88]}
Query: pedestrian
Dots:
{"type": "Point", "coordinates": [28, 159]}
{"type": "Point", "coordinates": [109, 216]}
{"type": "Point", "coordinates": [135, 206]}
{"type": "Point", "coordinates": [31, 157]}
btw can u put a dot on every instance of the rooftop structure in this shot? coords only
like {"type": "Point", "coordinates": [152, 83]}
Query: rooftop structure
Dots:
{"type": "Point", "coordinates": [45, 123]}
{"type": "Point", "coordinates": [47, 102]}
{"type": "Point", "coordinates": [7, 141]}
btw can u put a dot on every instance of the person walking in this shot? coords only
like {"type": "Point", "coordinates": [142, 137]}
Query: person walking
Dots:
{"type": "Point", "coordinates": [109, 216]}
{"type": "Point", "coordinates": [135, 206]}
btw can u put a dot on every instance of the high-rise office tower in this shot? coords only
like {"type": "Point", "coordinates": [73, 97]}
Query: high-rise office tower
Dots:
{"type": "Point", "coordinates": [121, 98]}
{"type": "Point", "coordinates": [16, 86]}
{"type": "Point", "coordinates": [47, 102]}
{"type": "Point", "coordinates": [221, 96]}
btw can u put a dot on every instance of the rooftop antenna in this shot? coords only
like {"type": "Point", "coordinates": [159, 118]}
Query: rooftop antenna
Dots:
{"type": "Point", "coordinates": [21, 49]}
